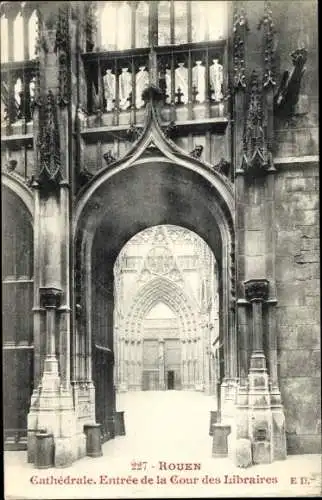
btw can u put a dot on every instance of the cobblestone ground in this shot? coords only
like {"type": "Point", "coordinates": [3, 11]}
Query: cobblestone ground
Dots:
{"type": "Point", "coordinates": [162, 428]}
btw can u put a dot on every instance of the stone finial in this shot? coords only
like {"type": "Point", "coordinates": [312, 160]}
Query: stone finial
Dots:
{"type": "Point", "coordinates": [240, 28]}
{"type": "Point", "coordinates": [256, 289]}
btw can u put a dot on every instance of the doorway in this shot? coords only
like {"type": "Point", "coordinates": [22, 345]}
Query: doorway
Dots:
{"type": "Point", "coordinates": [170, 380]}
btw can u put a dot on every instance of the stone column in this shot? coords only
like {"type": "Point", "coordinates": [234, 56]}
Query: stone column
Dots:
{"type": "Point", "coordinates": [259, 415]}
{"type": "Point", "coordinates": [161, 365]}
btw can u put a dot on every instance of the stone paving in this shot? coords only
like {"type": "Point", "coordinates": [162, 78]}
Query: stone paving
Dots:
{"type": "Point", "coordinates": [162, 429]}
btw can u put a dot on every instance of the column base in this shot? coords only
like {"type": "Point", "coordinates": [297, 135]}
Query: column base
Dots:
{"type": "Point", "coordinates": [220, 440]}
{"type": "Point", "coordinates": [52, 410]}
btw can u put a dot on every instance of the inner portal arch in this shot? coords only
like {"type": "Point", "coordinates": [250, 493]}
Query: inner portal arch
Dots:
{"type": "Point", "coordinates": [166, 312]}
{"type": "Point", "coordinates": [118, 204]}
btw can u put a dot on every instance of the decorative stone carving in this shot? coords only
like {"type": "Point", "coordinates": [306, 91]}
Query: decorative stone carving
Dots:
{"type": "Point", "coordinates": [159, 260]}
{"type": "Point", "coordinates": [48, 144]}
{"type": "Point", "coordinates": [133, 133]}
{"type": "Point", "coordinates": [181, 82]}
{"type": "Point", "coordinates": [289, 90]}
{"type": "Point", "coordinates": [32, 95]}
{"type": "Point", "coordinates": [84, 177]}
{"type": "Point", "coordinates": [168, 80]}
{"type": "Point", "coordinates": [256, 289]}
{"type": "Point", "coordinates": [62, 49]}
{"type": "Point", "coordinates": [197, 151]}
{"type": "Point", "coordinates": [90, 25]}
{"type": "Point", "coordinates": [125, 90]}
{"type": "Point", "coordinates": [240, 29]}
{"type": "Point", "coordinates": [108, 157]}
{"type": "Point", "coordinates": [18, 98]}
{"type": "Point", "coordinates": [223, 167]}
{"type": "Point", "coordinates": [142, 82]}
{"type": "Point", "coordinates": [256, 158]}
{"type": "Point", "coordinates": [50, 296]}
{"type": "Point", "coordinates": [11, 165]}
{"type": "Point", "coordinates": [198, 80]}
{"type": "Point", "coordinates": [267, 23]}
{"type": "Point", "coordinates": [170, 130]}
{"type": "Point", "coordinates": [109, 82]}
{"type": "Point", "coordinates": [216, 77]}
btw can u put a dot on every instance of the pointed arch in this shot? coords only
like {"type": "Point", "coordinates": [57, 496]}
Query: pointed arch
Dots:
{"type": "Point", "coordinates": [161, 289]}
{"type": "Point", "coordinates": [19, 187]}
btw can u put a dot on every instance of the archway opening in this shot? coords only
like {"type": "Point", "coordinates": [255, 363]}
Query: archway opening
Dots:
{"type": "Point", "coordinates": [153, 193]}
{"type": "Point", "coordinates": [166, 315]}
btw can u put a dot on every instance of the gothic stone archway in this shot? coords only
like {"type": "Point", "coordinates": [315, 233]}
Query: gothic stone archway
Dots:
{"type": "Point", "coordinates": [156, 183]}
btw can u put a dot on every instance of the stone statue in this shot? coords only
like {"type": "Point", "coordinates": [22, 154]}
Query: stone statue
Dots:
{"type": "Point", "coordinates": [216, 80]}
{"type": "Point", "coordinates": [109, 89]}
{"type": "Point", "coordinates": [181, 81]}
{"type": "Point", "coordinates": [18, 95]}
{"type": "Point", "coordinates": [125, 88]}
{"type": "Point", "coordinates": [198, 81]}
{"type": "Point", "coordinates": [168, 85]}
{"type": "Point", "coordinates": [32, 93]}
{"type": "Point", "coordinates": [142, 82]}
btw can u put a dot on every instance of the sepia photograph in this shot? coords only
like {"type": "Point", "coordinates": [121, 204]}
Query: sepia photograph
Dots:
{"type": "Point", "coordinates": [160, 249]}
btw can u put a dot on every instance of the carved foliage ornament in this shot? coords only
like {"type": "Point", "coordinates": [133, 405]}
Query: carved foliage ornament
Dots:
{"type": "Point", "coordinates": [269, 30]}
{"type": "Point", "coordinates": [240, 29]}
{"type": "Point", "coordinates": [256, 289]}
{"type": "Point", "coordinates": [62, 49]}
{"type": "Point", "coordinates": [48, 144]}
{"type": "Point", "coordinates": [256, 158]}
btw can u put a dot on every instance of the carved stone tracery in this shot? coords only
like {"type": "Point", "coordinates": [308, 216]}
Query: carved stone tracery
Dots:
{"type": "Point", "coordinates": [48, 143]}
{"type": "Point", "coordinates": [269, 30]}
{"type": "Point", "coordinates": [256, 157]}
{"type": "Point", "coordinates": [240, 29]}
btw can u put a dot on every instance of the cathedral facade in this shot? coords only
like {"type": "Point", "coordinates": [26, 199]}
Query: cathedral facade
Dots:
{"type": "Point", "coordinates": [166, 320]}
{"type": "Point", "coordinates": [196, 119]}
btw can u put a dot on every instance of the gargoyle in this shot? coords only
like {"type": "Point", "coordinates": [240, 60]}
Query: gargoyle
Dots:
{"type": "Point", "coordinates": [84, 177]}
{"type": "Point", "coordinates": [223, 167]}
{"type": "Point", "coordinates": [197, 151]}
{"type": "Point", "coordinates": [288, 93]}
{"type": "Point", "coordinates": [108, 157]}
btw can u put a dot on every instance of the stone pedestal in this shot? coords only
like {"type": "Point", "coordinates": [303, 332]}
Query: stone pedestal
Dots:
{"type": "Point", "coordinates": [93, 440]}
{"type": "Point", "coordinates": [213, 420]}
{"type": "Point", "coordinates": [240, 451]}
{"type": "Point", "coordinates": [119, 423]}
{"type": "Point", "coordinates": [44, 452]}
{"type": "Point", "coordinates": [219, 442]}
{"type": "Point", "coordinates": [261, 452]}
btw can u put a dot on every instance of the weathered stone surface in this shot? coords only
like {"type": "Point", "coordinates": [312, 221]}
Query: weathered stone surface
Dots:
{"type": "Point", "coordinates": [219, 442]}
{"type": "Point", "coordinates": [65, 454]}
{"type": "Point", "coordinates": [240, 451]}
{"type": "Point", "coordinates": [261, 451]}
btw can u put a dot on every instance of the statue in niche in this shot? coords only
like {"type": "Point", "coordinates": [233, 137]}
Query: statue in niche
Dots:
{"type": "Point", "coordinates": [168, 85]}
{"type": "Point", "coordinates": [125, 88]}
{"type": "Point", "coordinates": [18, 97]}
{"type": "Point", "coordinates": [198, 81]}
{"type": "Point", "coordinates": [216, 77]}
{"type": "Point", "coordinates": [141, 83]}
{"type": "Point", "coordinates": [109, 82]}
{"type": "Point", "coordinates": [32, 93]}
{"type": "Point", "coordinates": [181, 80]}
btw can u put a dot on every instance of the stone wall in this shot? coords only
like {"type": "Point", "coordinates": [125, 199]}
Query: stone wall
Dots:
{"type": "Point", "coordinates": [298, 312]}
